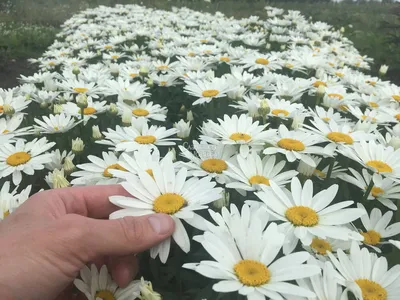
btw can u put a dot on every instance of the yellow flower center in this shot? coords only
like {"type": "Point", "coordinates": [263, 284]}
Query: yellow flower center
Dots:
{"type": "Point", "coordinates": [225, 59]}
{"type": "Point", "coordinates": [339, 137]}
{"type": "Point", "coordinates": [252, 272]}
{"type": "Point", "coordinates": [106, 172]}
{"type": "Point", "coordinates": [318, 83]}
{"type": "Point", "coordinates": [396, 116]}
{"type": "Point", "coordinates": [291, 144]}
{"type": "Point", "coordinates": [302, 216]}
{"type": "Point", "coordinates": [80, 90]}
{"type": "Point", "coordinates": [380, 166]}
{"type": "Point", "coordinates": [326, 119]}
{"type": "Point", "coordinates": [214, 165]}
{"type": "Point", "coordinates": [262, 61]}
{"type": "Point", "coordinates": [373, 104]}
{"type": "Point", "coordinates": [333, 95]}
{"type": "Point", "coordinates": [210, 93]}
{"type": "Point", "coordinates": [339, 74]}
{"type": "Point", "coordinates": [115, 56]}
{"type": "Point", "coordinates": [168, 203]}
{"type": "Point", "coordinates": [331, 64]}
{"type": "Point", "coordinates": [258, 179]}
{"type": "Point", "coordinates": [258, 87]}
{"type": "Point", "coordinates": [319, 173]}
{"type": "Point", "coordinates": [238, 136]}
{"type": "Point", "coordinates": [371, 290]}
{"type": "Point", "coordinates": [207, 51]}
{"type": "Point", "coordinates": [1, 109]}
{"type": "Point", "coordinates": [377, 191]}
{"type": "Point", "coordinates": [321, 246]}
{"type": "Point", "coordinates": [163, 67]}
{"type": "Point", "coordinates": [140, 112]}
{"type": "Point", "coordinates": [191, 54]}
{"type": "Point", "coordinates": [396, 97]}
{"type": "Point", "coordinates": [371, 82]}
{"type": "Point", "coordinates": [344, 107]}
{"type": "Point", "coordinates": [18, 158]}
{"type": "Point", "coordinates": [52, 64]}
{"type": "Point", "coordinates": [105, 295]}
{"type": "Point", "coordinates": [163, 83]}
{"type": "Point", "coordinates": [6, 131]}
{"type": "Point", "coordinates": [204, 41]}
{"type": "Point", "coordinates": [89, 111]}
{"type": "Point", "coordinates": [133, 75]}
{"type": "Point", "coordinates": [108, 47]}
{"type": "Point", "coordinates": [6, 214]}
{"type": "Point", "coordinates": [150, 172]}
{"type": "Point", "coordinates": [145, 139]}
{"type": "Point", "coordinates": [371, 237]}
{"type": "Point", "coordinates": [289, 66]}
{"type": "Point", "coordinates": [278, 112]}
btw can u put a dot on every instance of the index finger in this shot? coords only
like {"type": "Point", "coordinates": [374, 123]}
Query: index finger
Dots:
{"type": "Point", "coordinates": [88, 201]}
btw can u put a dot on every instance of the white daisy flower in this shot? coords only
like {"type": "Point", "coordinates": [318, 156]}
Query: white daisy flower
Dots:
{"type": "Point", "coordinates": [252, 172]}
{"type": "Point", "coordinates": [250, 104]}
{"type": "Point", "coordinates": [10, 126]}
{"type": "Point", "coordinates": [376, 157]}
{"type": "Point", "coordinates": [365, 275]}
{"type": "Point", "coordinates": [169, 193]}
{"type": "Point", "coordinates": [55, 124]}
{"type": "Point", "coordinates": [11, 200]}
{"type": "Point", "coordinates": [94, 108]}
{"type": "Point", "coordinates": [58, 159]}
{"type": "Point", "coordinates": [245, 251]}
{"type": "Point", "coordinates": [208, 160]}
{"type": "Point", "coordinates": [146, 110]}
{"type": "Point", "coordinates": [75, 86]}
{"type": "Point", "coordinates": [284, 109]}
{"type": "Point", "coordinates": [97, 172]}
{"type": "Point", "coordinates": [384, 190]}
{"type": "Point", "coordinates": [99, 285]}
{"type": "Point", "coordinates": [206, 90]}
{"type": "Point", "coordinates": [24, 157]}
{"type": "Point", "coordinates": [11, 104]}
{"type": "Point", "coordinates": [256, 61]}
{"type": "Point", "coordinates": [240, 131]}
{"type": "Point", "coordinates": [295, 145]}
{"type": "Point", "coordinates": [128, 92]}
{"type": "Point", "coordinates": [306, 216]}
{"type": "Point", "coordinates": [318, 171]}
{"type": "Point", "coordinates": [320, 247]}
{"type": "Point", "coordinates": [373, 116]}
{"type": "Point", "coordinates": [326, 115]}
{"type": "Point", "coordinates": [376, 227]}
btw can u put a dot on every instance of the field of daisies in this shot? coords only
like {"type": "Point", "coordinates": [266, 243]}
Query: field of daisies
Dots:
{"type": "Point", "coordinates": [268, 142]}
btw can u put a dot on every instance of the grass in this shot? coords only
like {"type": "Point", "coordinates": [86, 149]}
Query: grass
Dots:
{"type": "Point", "coordinates": [29, 26]}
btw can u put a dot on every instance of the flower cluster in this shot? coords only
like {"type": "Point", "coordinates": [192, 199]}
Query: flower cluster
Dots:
{"type": "Point", "coordinates": [253, 135]}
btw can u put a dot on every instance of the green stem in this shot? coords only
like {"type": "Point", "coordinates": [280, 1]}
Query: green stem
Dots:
{"type": "Point", "coordinates": [331, 164]}
{"type": "Point", "coordinates": [368, 191]}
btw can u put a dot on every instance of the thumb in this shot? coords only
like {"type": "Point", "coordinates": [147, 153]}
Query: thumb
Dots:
{"type": "Point", "coordinates": [119, 237]}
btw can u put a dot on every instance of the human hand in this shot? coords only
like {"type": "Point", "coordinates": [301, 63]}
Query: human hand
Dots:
{"type": "Point", "coordinates": [47, 240]}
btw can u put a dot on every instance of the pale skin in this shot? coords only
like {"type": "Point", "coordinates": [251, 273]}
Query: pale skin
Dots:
{"type": "Point", "coordinates": [46, 242]}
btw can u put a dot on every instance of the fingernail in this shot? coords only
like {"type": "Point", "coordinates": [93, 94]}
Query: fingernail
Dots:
{"type": "Point", "coordinates": [160, 223]}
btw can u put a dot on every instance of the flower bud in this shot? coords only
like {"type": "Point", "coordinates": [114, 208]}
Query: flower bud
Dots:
{"type": "Point", "coordinates": [184, 129]}
{"type": "Point", "coordinates": [57, 179]}
{"type": "Point", "coordinates": [342, 29]}
{"type": "Point", "coordinates": [113, 109]}
{"type": "Point", "coordinates": [189, 116]}
{"type": "Point", "coordinates": [81, 101]}
{"type": "Point", "coordinates": [150, 83]}
{"type": "Point", "coordinates": [114, 69]}
{"type": "Point", "coordinates": [96, 134]}
{"type": "Point", "coordinates": [283, 47]}
{"type": "Point", "coordinates": [57, 109]}
{"type": "Point", "coordinates": [127, 118]}
{"type": "Point", "coordinates": [8, 110]}
{"type": "Point", "coordinates": [395, 142]}
{"type": "Point", "coordinates": [44, 105]}
{"type": "Point", "coordinates": [298, 120]}
{"type": "Point", "coordinates": [173, 154]}
{"type": "Point", "coordinates": [223, 201]}
{"type": "Point", "coordinates": [68, 166]}
{"type": "Point", "coordinates": [76, 71]}
{"type": "Point", "coordinates": [77, 146]}
{"type": "Point", "coordinates": [147, 292]}
{"type": "Point", "coordinates": [321, 90]}
{"type": "Point", "coordinates": [264, 109]}
{"type": "Point", "coordinates": [144, 71]}
{"type": "Point", "coordinates": [268, 46]}
{"type": "Point", "coordinates": [383, 70]}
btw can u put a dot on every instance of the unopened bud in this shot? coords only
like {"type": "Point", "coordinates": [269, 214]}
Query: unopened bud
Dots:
{"type": "Point", "coordinates": [283, 47]}
{"type": "Point", "coordinates": [127, 118]}
{"type": "Point", "coordinates": [383, 70]}
{"type": "Point", "coordinates": [144, 71]}
{"type": "Point", "coordinates": [96, 134]}
{"type": "Point", "coordinates": [268, 46]}
{"type": "Point", "coordinates": [298, 120]}
{"type": "Point", "coordinates": [147, 292]}
{"type": "Point", "coordinates": [8, 110]}
{"type": "Point", "coordinates": [189, 116]}
{"type": "Point", "coordinates": [223, 201]}
{"type": "Point", "coordinates": [264, 108]}
{"type": "Point", "coordinates": [182, 109]}
{"type": "Point", "coordinates": [321, 90]}
{"type": "Point", "coordinates": [81, 101]}
{"type": "Point", "coordinates": [114, 69]}
{"type": "Point", "coordinates": [184, 129]}
{"type": "Point", "coordinates": [68, 166]}
{"type": "Point", "coordinates": [44, 105]}
{"type": "Point", "coordinates": [76, 71]}
{"type": "Point", "coordinates": [150, 83]}
{"type": "Point", "coordinates": [113, 109]}
{"type": "Point", "coordinates": [173, 154]}
{"type": "Point", "coordinates": [58, 180]}
{"type": "Point", "coordinates": [57, 109]}
{"type": "Point", "coordinates": [77, 146]}
{"type": "Point", "coordinates": [342, 29]}
{"type": "Point", "coordinates": [395, 142]}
